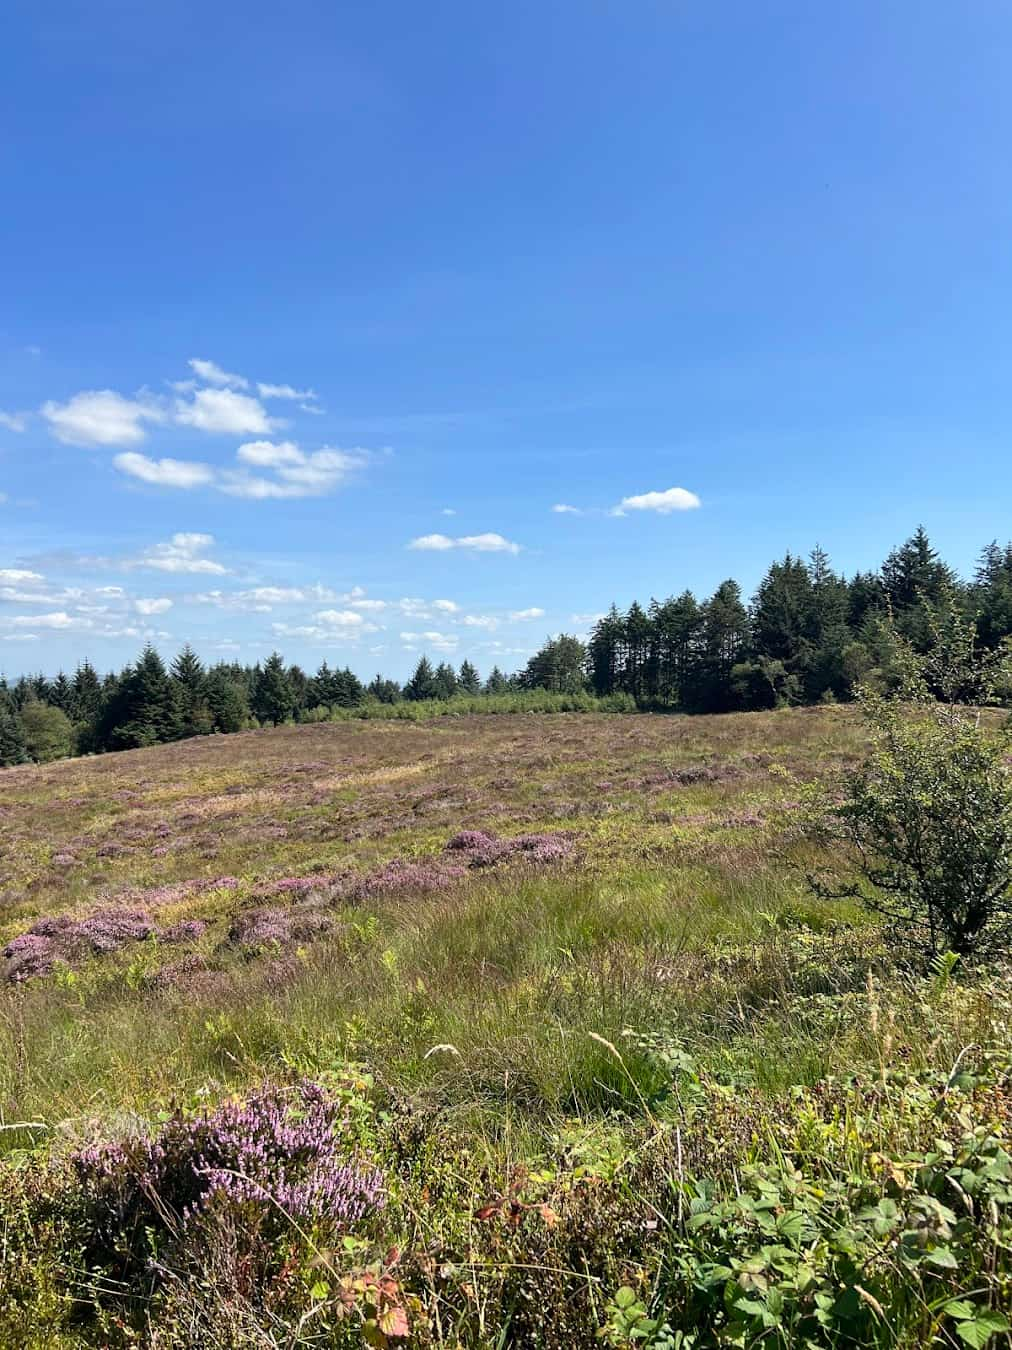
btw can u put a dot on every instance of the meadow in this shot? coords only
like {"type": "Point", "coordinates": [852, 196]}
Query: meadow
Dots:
{"type": "Point", "coordinates": [482, 1031]}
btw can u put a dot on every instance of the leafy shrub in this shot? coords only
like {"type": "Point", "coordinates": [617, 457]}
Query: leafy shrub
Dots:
{"type": "Point", "coordinates": [924, 824]}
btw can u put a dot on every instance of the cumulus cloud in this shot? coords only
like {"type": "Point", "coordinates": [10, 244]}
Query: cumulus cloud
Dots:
{"type": "Point", "coordinates": [476, 543]}
{"type": "Point", "coordinates": [671, 499]}
{"type": "Point", "coordinates": [485, 621]}
{"type": "Point", "coordinates": [98, 417]}
{"type": "Point", "coordinates": [298, 473]}
{"type": "Point", "coordinates": [224, 411]}
{"type": "Point", "coordinates": [154, 606]}
{"type": "Point", "coordinates": [447, 606]}
{"type": "Point", "coordinates": [173, 473]}
{"type": "Point", "coordinates": [340, 618]}
{"type": "Point", "coordinates": [442, 642]}
{"type": "Point", "coordinates": [211, 373]}
{"type": "Point", "coordinates": [534, 612]}
{"type": "Point", "coordinates": [183, 553]}
{"type": "Point", "coordinates": [14, 421]}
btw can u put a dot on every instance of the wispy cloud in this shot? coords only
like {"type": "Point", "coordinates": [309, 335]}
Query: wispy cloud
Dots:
{"type": "Point", "coordinates": [562, 509]}
{"type": "Point", "coordinates": [211, 373]}
{"type": "Point", "coordinates": [173, 473]}
{"type": "Point", "coordinates": [519, 615]}
{"type": "Point", "coordinates": [14, 421]}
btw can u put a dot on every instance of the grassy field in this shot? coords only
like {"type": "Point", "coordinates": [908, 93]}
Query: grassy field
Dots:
{"type": "Point", "coordinates": [563, 983]}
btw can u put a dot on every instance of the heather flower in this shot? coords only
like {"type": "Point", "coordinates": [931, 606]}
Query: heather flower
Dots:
{"type": "Point", "coordinates": [188, 930]}
{"type": "Point", "coordinates": [28, 955]}
{"type": "Point", "coordinates": [277, 1155]}
{"type": "Point", "coordinates": [260, 928]}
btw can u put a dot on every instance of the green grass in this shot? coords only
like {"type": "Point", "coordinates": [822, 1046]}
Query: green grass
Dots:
{"type": "Point", "coordinates": [610, 1041]}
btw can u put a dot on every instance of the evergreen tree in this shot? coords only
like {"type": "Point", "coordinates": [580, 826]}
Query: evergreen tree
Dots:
{"type": "Point", "coordinates": [227, 699]}
{"type": "Point", "coordinates": [273, 696]}
{"type": "Point", "coordinates": [446, 681]}
{"type": "Point", "coordinates": [559, 666]}
{"type": "Point", "coordinates": [725, 637]}
{"type": "Point", "coordinates": [142, 711]}
{"type": "Point", "coordinates": [194, 713]}
{"type": "Point", "coordinates": [384, 690]}
{"type": "Point", "coordinates": [12, 736]}
{"type": "Point", "coordinates": [468, 679]}
{"type": "Point", "coordinates": [87, 694]}
{"type": "Point", "coordinates": [496, 682]}
{"type": "Point", "coordinates": [422, 684]}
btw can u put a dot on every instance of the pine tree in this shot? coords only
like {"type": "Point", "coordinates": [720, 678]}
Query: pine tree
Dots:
{"type": "Point", "coordinates": [422, 684]}
{"type": "Point", "coordinates": [12, 736]}
{"type": "Point", "coordinates": [190, 680]}
{"type": "Point", "coordinates": [384, 690]}
{"type": "Point", "coordinates": [446, 681]}
{"type": "Point", "coordinates": [559, 666]}
{"type": "Point", "coordinates": [496, 682]}
{"type": "Point", "coordinates": [227, 699]}
{"type": "Point", "coordinates": [273, 697]}
{"type": "Point", "coordinates": [468, 679]}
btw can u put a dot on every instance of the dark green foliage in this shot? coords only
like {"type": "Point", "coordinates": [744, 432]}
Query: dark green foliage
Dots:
{"type": "Point", "coordinates": [384, 690]}
{"type": "Point", "coordinates": [227, 699]}
{"type": "Point", "coordinates": [558, 667]}
{"type": "Point", "coordinates": [273, 696]}
{"type": "Point", "coordinates": [445, 681]}
{"type": "Point", "coordinates": [13, 749]}
{"type": "Point", "coordinates": [468, 679]}
{"type": "Point", "coordinates": [422, 684]}
{"type": "Point", "coordinates": [142, 710]}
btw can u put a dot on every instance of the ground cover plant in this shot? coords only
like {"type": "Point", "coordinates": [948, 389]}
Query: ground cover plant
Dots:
{"type": "Point", "coordinates": [484, 1031]}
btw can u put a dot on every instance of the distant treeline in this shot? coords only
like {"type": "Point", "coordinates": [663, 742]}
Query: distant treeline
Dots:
{"type": "Point", "coordinates": [808, 636]}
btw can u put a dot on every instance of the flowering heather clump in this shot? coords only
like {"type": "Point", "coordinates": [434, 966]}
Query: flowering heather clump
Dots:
{"type": "Point", "coordinates": [401, 875]}
{"type": "Point", "coordinates": [260, 928]}
{"type": "Point", "coordinates": [28, 955]}
{"type": "Point", "coordinates": [278, 1158]}
{"type": "Point", "coordinates": [187, 930]}
{"type": "Point", "coordinates": [107, 929]}
{"type": "Point", "coordinates": [483, 849]}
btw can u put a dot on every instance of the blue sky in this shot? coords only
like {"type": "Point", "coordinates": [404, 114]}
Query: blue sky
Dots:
{"type": "Point", "coordinates": [283, 286]}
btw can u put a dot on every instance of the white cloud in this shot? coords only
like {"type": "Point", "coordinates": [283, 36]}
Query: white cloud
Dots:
{"type": "Point", "coordinates": [340, 618]}
{"type": "Point", "coordinates": [58, 619]}
{"type": "Point", "coordinates": [284, 391]}
{"type": "Point", "coordinates": [533, 613]}
{"type": "Point", "coordinates": [477, 543]}
{"type": "Point", "coordinates": [101, 417]}
{"type": "Point", "coordinates": [173, 473]}
{"type": "Point", "coordinates": [447, 606]}
{"type": "Point", "coordinates": [183, 553]}
{"type": "Point", "coordinates": [561, 509]}
{"type": "Point", "coordinates": [586, 619]}
{"type": "Point", "coordinates": [18, 575]}
{"type": "Point", "coordinates": [671, 499]}
{"type": "Point", "coordinates": [480, 621]}
{"type": "Point", "coordinates": [19, 637]}
{"type": "Point", "coordinates": [448, 511]}
{"type": "Point", "coordinates": [154, 606]}
{"type": "Point", "coordinates": [224, 411]}
{"type": "Point", "coordinates": [372, 606]}
{"type": "Point", "coordinates": [311, 408]}
{"type": "Point", "coordinates": [442, 642]}
{"type": "Point", "coordinates": [299, 474]}
{"type": "Point", "coordinates": [14, 421]}
{"type": "Point", "coordinates": [269, 454]}
{"type": "Point", "coordinates": [211, 373]}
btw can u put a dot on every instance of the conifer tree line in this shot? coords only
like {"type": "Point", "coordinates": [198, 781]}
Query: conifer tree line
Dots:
{"type": "Point", "coordinates": [808, 636]}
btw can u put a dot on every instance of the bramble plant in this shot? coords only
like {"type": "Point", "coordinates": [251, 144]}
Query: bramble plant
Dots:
{"type": "Point", "coordinates": [924, 825]}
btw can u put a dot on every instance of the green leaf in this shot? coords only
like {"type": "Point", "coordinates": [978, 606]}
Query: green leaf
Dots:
{"type": "Point", "coordinates": [625, 1297]}
{"type": "Point", "coordinates": [943, 1258]}
{"type": "Point", "coordinates": [319, 1291]}
{"type": "Point", "coordinates": [985, 1325]}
